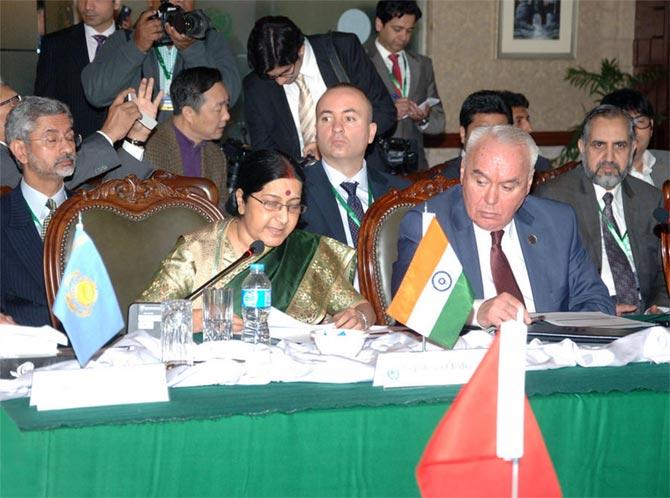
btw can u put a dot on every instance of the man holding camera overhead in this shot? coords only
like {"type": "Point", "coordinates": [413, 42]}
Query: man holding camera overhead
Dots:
{"type": "Point", "coordinates": [160, 46]}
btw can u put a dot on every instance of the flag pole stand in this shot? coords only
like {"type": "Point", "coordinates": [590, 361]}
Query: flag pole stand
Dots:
{"type": "Point", "coordinates": [423, 344]}
{"type": "Point", "coordinates": [515, 478]}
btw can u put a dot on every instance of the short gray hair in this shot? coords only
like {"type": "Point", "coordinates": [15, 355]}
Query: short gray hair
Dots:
{"type": "Point", "coordinates": [504, 134]}
{"type": "Point", "coordinates": [22, 120]}
{"type": "Point", "coordinates": [610, 112]}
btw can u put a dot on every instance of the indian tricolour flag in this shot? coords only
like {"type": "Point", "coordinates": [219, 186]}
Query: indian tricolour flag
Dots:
{"type": "Point", "coordinates": [435, 296]}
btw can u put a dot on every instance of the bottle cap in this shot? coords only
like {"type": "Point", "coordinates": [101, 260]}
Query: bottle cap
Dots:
{"type": "Point", "coordinates": [257, 267]}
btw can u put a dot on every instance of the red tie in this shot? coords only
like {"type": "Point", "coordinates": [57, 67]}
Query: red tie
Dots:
{"type": "Point", "coordinates": [395, 69]}
{"type": "Point", "coordinates": [503, 278]}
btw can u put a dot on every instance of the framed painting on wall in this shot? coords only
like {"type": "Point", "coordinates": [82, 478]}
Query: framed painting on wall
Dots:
{"type": "Point", "coordinates": [536, 28]}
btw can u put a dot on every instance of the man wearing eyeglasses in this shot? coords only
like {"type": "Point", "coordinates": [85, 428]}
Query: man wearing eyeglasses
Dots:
{"type": "Point", "coordinates": [645, 166]}
{"type": "Point", "coordinates": [40, 135]}
{"type": "Point", "coordinates": [614, 211]}
{"type": "Point", "coordinates": [97, 155]}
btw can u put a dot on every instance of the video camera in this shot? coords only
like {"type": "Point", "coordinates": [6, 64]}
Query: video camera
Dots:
{"type": "Point", "coordinates": [194, 24]}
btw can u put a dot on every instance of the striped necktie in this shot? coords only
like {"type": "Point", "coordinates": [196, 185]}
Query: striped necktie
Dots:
{"type": "Point", "coordinates": [356, 207]}
{"type": "Point", "coordinates": [306, 112]}
{"type": "Point", "coordinates": [100, 40]}
{"type": "Point", "coordinates": [397, 74]}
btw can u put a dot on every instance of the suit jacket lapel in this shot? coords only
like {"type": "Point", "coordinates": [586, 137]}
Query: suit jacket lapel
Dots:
{"type": "Point", "coordinates": [323, 201]}
{"type": "Point", "coordinates": [80, 47]}
{"type": "Point", "coordinates": [382, 70]}
{"type": "Point", "coordinates": [591, 221]}
{"type": "Point", "coordinates": [628, 197]}
{"type": "Point", "coordinates": [23, 236]}
{"type": "Point", "coordinates": [377, 183]}
{"type": "Point", "coordinates": [325, 68]}
{"type": "Point", "coordinates": [534, 256]}
{"type": "Point", "coordinates": [415, 77]}
{"type": "Point", "coordinates": [282, 109]}
{"type": "Point", "coordinates": [462, 237]}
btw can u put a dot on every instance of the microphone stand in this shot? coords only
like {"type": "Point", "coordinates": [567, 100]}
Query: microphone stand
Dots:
{"type": "Point", "coordinates": [256, 247]}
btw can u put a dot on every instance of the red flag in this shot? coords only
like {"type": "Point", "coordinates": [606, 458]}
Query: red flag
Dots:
{"type": "Point", "coordinates": [460, 458]}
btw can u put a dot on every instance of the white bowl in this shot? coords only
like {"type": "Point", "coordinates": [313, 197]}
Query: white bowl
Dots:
{"type": "Point", "coordinates": [341, 342]}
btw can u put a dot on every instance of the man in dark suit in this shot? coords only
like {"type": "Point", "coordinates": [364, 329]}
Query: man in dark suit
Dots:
{"type": "Point", "coordinates": [615, 211]}
{"type": "Point", "coordinates": [291, 72]}
{"type": "Point", "coordinates": [521, 115]}
{"type": "Point", "coordinates": [517, 251]}
{"type": "Point", "coordinates": [340, 187]}
{"type": "Point", "coordinates": [40, 135]}
{"type": "Point", "coordinates": [96, 156]}
{"type": "Point", "coordinates": [65, 53]}
{"type": "Point", "coordinates": [482, 108]}
{"type": "Point", "coordinates": [408, 76]}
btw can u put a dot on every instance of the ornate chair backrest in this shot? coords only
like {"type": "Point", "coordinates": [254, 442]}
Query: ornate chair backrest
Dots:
{"type": "Point", "coordinates": [544, 176]}
{"type": "Point", "coordinates": [194, 184]}
{"type": "Point", "coordinates": [665, 236]}
{"type": "Point", "coordinates": [378, 239]}
{"type": "Point", "coordinates": [134, 224]}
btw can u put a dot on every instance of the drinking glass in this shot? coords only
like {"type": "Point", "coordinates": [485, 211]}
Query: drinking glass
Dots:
{"type": "Point", "coordinates": [217, 314]}
{"type": "Point", "coordinates": [177, 332]}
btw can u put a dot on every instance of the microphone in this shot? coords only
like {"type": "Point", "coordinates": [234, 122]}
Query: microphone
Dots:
{"type": "Point", "coordinates": [256, 247]}
{"type": "Point", "coordinates": [662, 215]}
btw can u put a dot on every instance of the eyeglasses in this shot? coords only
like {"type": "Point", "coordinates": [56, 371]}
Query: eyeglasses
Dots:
{"type": "Point", "coordinates": [274, 206]}
{"type": "Point", "coordinates": [283, 74]}
{"type": "Point", "coordinates": [52, 139]}
{"type": "Point", "coordinates": [12, 101]}
{"type": "Point", "coordinates": [641, 122]}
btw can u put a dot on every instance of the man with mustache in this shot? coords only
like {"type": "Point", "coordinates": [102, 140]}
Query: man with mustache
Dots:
{"type": "Point", "coordinates": [39, 132]}
{"type": "Point", "coordinates": [615, 211]}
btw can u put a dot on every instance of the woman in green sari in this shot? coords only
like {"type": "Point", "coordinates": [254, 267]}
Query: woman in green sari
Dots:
{"type": "Point", "coordinates": [310, 274]}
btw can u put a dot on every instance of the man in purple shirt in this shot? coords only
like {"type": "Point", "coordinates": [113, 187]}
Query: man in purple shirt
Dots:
{"type": "Point", "coordinates": [187, 143]}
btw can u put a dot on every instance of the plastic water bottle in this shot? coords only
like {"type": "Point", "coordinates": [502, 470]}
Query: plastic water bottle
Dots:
{"type": "Point", "coordinates": [256, 302]}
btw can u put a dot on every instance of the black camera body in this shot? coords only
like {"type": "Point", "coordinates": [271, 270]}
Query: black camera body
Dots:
{"type": "Point", "coordinates": [194, 24]}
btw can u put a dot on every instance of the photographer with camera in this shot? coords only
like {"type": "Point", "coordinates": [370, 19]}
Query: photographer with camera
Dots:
{"type": "Point", "coordinates": [164, 42]}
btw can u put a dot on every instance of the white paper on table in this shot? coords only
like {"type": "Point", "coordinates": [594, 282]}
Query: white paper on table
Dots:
{"type": "Point", "coordinates": [60, 389]}
{"type": "Point", "coordinates": [18, 341]}
{"type": "Point", "coordinates": [589, 319]}
{"type": "Point", "coordinates": [283, 326]}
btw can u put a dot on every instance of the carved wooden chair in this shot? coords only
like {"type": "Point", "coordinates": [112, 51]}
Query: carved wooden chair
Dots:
{"type": "Point", "coordinates": [544, 176]}
{"type": "Point", "coordinates": [134, 224]}
{"type": "Point", "coordinates": [378, 240]}
{"type": "Point", "coordinates": [194, 184]}
{"type": "Point", "coordinates": [665, 236]}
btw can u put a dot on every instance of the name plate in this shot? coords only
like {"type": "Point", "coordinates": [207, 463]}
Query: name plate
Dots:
{"type": "Point", "coordinates": [429, 368]}
{"type": "Point", "coordinates": [79, 388]}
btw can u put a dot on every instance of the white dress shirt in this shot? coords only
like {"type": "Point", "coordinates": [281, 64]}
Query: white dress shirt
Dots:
{"type": "Point", "coordinates": [314, 81]}
{"type": "Point", "coordinates": [648, 161]}
{"type": "Point", "coordinates": [402, 62]}
{"type": "Point", "coordinates": [617, 210]}
{"type": "Point", "coordinates": [37, 202]}
{"type": "Point", "coordinates": [362, 192]}
{"type": "Point", "coordinates": [91, 44]}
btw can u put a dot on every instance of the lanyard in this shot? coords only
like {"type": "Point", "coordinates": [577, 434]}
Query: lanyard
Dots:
{"type": "Point", "coordinates": [348, 209]}
{"type": "Point", "coordinates": [167, 73]}
{"type": "Point", "coordinates": [622, 241]}
{"type": "Point", "coordinates": [396, 84]}
{"type": "Point", "coordinates": [35, 219]}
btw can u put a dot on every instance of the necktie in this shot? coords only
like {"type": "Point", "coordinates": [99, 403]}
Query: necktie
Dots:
{"type": "Point", "coordinates": [51, 204]}
{"type": "Point", "coordinates": [100, 40]}
{"type": "Point", "coordinates": [355, 204]}
{"type": "Point", "coordinates": [306, 111]}
{"type": "Point", "coordinates": [624, 279]}
{"type": "Point", "coordinates": [397, 74]}
{"type": "Point", "coordinates": [503, 278]}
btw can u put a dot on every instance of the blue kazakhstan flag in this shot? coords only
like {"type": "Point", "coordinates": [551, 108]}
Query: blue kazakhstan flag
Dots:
{"type": "Point", "coordinates": [86, 303]}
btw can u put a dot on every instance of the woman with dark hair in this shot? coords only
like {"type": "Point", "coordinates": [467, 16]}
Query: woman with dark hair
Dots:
{"type": "Point", "coordinates": [310, 274]}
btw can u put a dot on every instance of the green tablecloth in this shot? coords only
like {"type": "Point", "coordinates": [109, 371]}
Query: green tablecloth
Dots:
{"type": "Point", "coordinates": [607, 431]}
